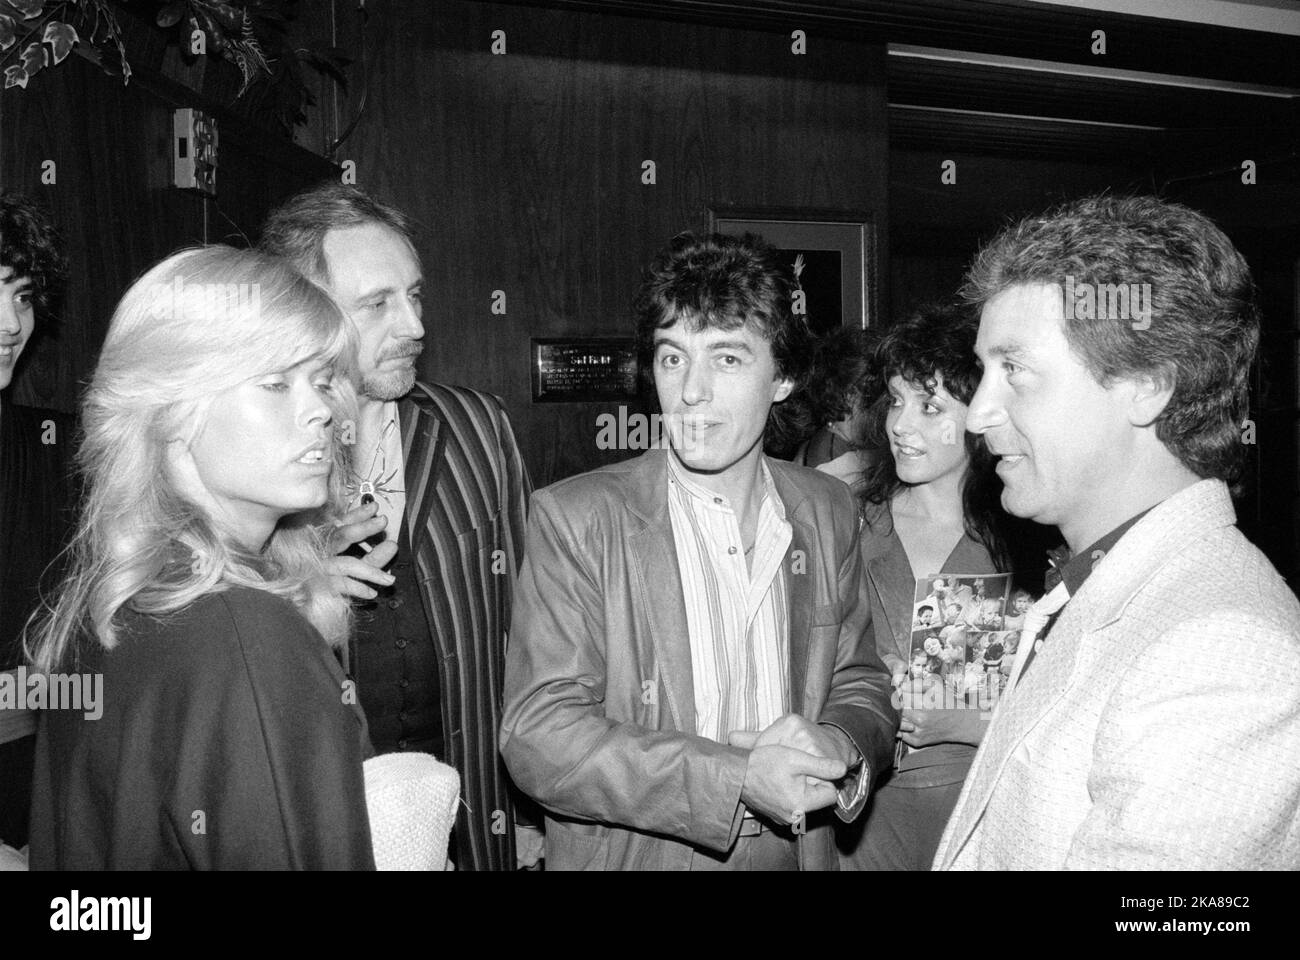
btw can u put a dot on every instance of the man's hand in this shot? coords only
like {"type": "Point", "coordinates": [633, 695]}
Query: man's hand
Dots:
{"type": "Point", "coordinates": [348, 576]}
{"type": "Point", "coordinates": [530, 844]}
{"type": "Point", "coordinates": [783, 783]}
{"type": "Point", "coordinates": [921, 728]}
{"type": "Point", "coordinates": [792, 767]}
{"type": "Point", "coordinates": [794, 731]}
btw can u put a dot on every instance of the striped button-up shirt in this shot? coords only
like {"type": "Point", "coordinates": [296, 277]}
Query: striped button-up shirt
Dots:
{"type": "Point", "coordinates": [736, 611]}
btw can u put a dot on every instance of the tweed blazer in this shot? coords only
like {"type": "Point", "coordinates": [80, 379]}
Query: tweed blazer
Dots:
{"type": "Point", "coordinates": [466, 492]}
{"type": "Point", "coordinates": [1159, 725]}
{"type": "Point", "coordinates": [600, 715]}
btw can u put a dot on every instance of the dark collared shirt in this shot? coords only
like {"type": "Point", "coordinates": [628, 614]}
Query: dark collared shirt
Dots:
{"type": "Point", "coordinates": [1075, 569]}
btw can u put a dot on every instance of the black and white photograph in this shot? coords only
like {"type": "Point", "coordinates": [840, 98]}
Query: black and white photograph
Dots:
{"type": "Point", "coordinates": [533, 436]}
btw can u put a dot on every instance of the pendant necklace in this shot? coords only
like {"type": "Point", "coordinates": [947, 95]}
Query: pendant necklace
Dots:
{"type": "Point", "coordinates": [364, 489]}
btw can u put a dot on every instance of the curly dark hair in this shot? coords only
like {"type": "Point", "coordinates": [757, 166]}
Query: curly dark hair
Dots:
{"type": "Point", "coordinates": [725, 282]}
{"type": "Point", "coordinates": [831, 391]}
{"type": "Point", "coordinates": [1203, 331]}
{"type": "Point", "coordinates": [935, 344]}
{"type": "Point", "coordinates": [31, 247]}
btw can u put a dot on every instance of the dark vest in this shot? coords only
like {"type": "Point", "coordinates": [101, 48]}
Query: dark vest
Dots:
{"type": "Point", "coordinates": [395, 664]}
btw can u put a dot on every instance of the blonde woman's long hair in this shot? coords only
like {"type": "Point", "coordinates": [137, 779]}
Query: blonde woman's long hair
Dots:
{"type": "Point", "coordinates": [200, 322]}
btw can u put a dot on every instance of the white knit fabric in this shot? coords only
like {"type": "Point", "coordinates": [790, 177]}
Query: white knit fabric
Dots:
{"type": "Point", "coordinates": [1159, 728]}
{"type": "Point", "coordinates": [1043, 610]}
{"type": "Point", "coordinates": [11, 859]}
{"type": "Point", "coordinates": [412, 801]}
{"type": "Point", "coordinates": [411, 798]}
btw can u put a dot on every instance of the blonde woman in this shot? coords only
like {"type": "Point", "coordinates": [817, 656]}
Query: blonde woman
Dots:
{"type": "Point", "coordinates": [229, 735]}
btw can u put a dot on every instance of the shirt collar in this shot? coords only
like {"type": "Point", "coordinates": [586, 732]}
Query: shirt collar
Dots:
{"type": "Point", "coordinates": [714, 501]}
{"type": "Point", "coordinates": [1075, 569]}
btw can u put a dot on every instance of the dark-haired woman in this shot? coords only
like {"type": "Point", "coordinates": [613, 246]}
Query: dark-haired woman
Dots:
{"type": "Point", "coordinates": [930, 506]}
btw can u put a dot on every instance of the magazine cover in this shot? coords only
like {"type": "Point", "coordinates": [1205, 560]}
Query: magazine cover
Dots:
{"type": "Point", "coordinates": [960, 635]}
{"type": "Point", "coordinates": [997, 649]}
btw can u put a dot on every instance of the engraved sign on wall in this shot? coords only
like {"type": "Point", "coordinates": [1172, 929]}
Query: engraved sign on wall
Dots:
{"type": "Point", "coordinates": [581, 370]}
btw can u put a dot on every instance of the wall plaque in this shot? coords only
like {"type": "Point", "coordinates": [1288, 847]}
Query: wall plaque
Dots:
{"type": "Point", "coordinates": [583, 370]}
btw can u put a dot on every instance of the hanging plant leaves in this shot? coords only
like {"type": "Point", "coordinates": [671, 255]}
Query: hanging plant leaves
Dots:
{"type": "Point", "coordinates": [109, 60]}
{"type": "Point", "coordinates": [61, 37]}
{"type": "Point", "coordinates": [251, 34]}
{"type": "Point", "coordinates": [33, 59]}
{"type": "Point", "coordinates": [171, 14]}
{"type": "Point", "coordinates": [228, 16]}
{"type": "Point", "coordinates": [27, 9]}
{"type": "Point", "coordinates": [106, 38]}
{"type": "Point", "coordinates": [216, 39]}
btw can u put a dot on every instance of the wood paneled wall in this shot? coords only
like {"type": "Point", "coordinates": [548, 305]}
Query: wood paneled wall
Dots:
{"type": "Point", "coordinates": [935, 228]}
{"type": "Point", "coordinates": [524, 171]}
{"type": "Point", "coordinates": [111, 197]}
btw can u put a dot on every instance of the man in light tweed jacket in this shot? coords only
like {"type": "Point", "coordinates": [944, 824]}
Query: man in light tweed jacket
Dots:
{"type": "Point", "coordinates": [1157, 724]}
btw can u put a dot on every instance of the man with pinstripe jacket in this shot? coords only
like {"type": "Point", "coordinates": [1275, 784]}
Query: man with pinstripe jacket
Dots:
{"type": "Point", "coordinates": [430, 545]}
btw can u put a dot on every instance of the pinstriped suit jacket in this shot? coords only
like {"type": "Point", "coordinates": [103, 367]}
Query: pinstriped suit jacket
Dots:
{"type": "Point", "coordinates": [1159, 725]}
{"type": "Point", "coordinates": [466, 491]}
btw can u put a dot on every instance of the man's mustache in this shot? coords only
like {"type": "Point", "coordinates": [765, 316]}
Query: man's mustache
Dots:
{"type": "Point", "coordinates": [414, 350]}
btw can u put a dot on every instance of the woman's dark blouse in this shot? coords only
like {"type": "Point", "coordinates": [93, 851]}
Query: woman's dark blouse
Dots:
{"type": "Point", "coordinates": [229, 740]}
{"type": "Point", "coordinates": [892, 603]}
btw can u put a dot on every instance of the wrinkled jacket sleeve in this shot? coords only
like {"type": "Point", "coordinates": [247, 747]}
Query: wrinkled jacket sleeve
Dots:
{"type": "Point", "coordinates": [559, 745]}
{"type": "Point", "coordinates": [860, 697]}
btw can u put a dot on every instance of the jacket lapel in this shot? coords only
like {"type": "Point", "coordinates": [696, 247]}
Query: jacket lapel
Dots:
{"type": "Point", "coordinates": [659, 585]}
{"type": "Point", "coordinates": [891, 578]}
{"type": "Point", "coordinates": [800, 586]}
{"type": "Point", "coordinates": [800, 593]}
{"type": "Point", "coordinates": [422, 459]}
